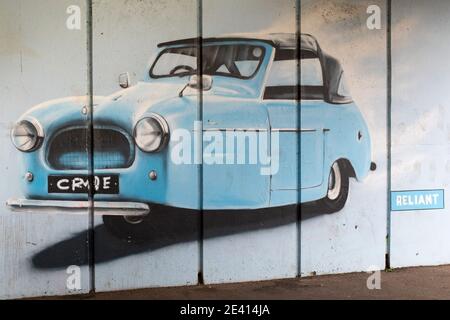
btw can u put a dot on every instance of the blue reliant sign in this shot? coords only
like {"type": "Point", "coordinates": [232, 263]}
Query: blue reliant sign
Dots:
{"type": "Point", "coordinates": [417, 200]}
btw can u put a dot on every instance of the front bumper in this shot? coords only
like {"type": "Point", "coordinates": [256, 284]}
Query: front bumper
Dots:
{"type": "Point", "coordinates": [100, 208]}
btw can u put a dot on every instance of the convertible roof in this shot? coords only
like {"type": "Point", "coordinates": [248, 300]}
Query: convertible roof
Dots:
{"type": "Point", "coordinates": [278, 40]}
{"type": "Point", "coordinates": [332, 70]}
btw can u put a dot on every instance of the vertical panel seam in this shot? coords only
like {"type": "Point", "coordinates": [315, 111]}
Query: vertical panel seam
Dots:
{"type": "Point", "coordinates": [389, 130]}
{"type": "Point", "coordinates": [299, 117]}
{"type": "Point", "coordinates": [90, 146]}
{"type": "Point", "coordinates": [200, 145]}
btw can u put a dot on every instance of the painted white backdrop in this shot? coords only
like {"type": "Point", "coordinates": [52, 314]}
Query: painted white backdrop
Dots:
{"type": "Point", "coordinates": [420, 127]}
{"type": "Point", "coordinates": [355, 238]}
{"type": "Point", "coordinates": [40, 60]}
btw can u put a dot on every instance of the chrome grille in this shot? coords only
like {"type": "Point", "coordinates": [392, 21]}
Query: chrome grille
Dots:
{"type": "Point", "coordinates": [112, 149]}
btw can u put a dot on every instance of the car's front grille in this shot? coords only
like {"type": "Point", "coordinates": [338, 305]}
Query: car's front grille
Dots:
{"type": "Point", "coordinates": [112, 149]}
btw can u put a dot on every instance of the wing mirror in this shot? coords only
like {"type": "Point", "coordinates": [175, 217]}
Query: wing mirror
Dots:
{"type": "Point", "coordinates": [203, 82]}
{"type": "Point", "coordinates": [124, 80]}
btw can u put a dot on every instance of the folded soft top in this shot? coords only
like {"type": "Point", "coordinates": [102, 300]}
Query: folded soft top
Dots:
{"type": "Point", "coordinates": [278, 40]}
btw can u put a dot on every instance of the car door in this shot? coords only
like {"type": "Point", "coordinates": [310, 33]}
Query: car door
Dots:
{"type": "Point", "coordinates": [285, 141]}
{"type": "Point", "coordinates": [313, 111]}
{"type": "Point", "coordinates": [312, 135]}
{"type": "Point", "coordinates": [235, 131]}
{"type": "Point", "coordinates": [281, 99]}
{"type": "Point", "coordinates": [285, 129]}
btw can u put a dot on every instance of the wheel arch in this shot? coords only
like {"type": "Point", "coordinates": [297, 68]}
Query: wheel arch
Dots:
{"type": "Point", "coordinates": [347, 167]}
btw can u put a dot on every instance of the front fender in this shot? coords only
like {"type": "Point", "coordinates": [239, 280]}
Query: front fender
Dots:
{"type": "Point", "coordinates": [58, 113]}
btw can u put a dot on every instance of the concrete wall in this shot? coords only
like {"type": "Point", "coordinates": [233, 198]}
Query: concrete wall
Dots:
{"type": "Point", "coordinates": [42, 59]}
{"type": "Point", "coordinates": [127, 32]}
{"type": "Point", "coordinates": [353, 239]}
{"type": "Point", "coordinates": [420, 140]}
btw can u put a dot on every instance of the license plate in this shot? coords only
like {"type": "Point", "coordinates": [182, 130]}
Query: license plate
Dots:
{"type": "Point", "coordinates": [103, 184]}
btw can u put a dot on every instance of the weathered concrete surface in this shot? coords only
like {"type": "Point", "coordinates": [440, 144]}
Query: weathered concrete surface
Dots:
{"type": "Point", "coordinates": [412, 283]}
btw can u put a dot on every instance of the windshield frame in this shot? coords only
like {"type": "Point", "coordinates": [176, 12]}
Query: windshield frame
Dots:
{"type": "Point", "coordinates": [184, 74]}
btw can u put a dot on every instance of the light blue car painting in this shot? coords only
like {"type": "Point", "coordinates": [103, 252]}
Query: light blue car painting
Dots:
{"type": "Point", "coordinates": [247, 84]}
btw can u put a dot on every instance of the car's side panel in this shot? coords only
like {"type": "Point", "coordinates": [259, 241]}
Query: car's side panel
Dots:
{"type": "Point", "coordinates": [311, 157]}
{"type": "Point", "coordinates": [312, 135]}
{"type": "Point", "coordinates": [284, 126]}
{"type": "Point", "coordinates": [345, 136]}
{"type": "Point", "coordinates": [233, 175]}
{"type": "Point", "coordinates": [348, 138]}
{"type": "Point", "coordinates": [284, 132]}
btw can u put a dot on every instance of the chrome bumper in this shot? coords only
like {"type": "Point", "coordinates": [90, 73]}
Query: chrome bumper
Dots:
{"type": "Point", "coordinates": [100, 208]}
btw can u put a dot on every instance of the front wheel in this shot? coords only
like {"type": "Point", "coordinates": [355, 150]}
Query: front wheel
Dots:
{"type": "Point", "coordinates": [134, 229]}
{"type": "Point", "coordinates": [338, 185]}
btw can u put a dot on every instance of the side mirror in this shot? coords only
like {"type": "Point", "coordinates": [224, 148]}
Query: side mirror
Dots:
{"type": "Point", "coordinates": [206, 82]}
{"type": "Point", "coordinates": [124, 80]}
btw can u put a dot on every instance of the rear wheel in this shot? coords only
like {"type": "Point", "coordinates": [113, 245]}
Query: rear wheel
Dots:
{"type": "Point", "coordinates": [338, 185]}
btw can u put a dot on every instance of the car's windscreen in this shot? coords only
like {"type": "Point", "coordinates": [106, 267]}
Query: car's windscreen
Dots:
{"type": "Point", "coordinates": [234, 60]}
{"type": "Point", "coordinates": [282, 80]}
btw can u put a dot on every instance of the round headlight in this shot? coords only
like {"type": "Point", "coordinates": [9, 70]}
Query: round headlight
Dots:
{"type": "Point", "coordinates": [151, 134]}
{"type": "Point", "coordinates": [27, 135]}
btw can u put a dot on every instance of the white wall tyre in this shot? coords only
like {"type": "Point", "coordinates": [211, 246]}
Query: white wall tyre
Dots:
{"type": "Point", "coordinates": [337, 193]}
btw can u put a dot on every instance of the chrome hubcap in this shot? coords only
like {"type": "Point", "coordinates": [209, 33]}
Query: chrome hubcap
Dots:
{"type": "Point", "coordinates": [133, 219]}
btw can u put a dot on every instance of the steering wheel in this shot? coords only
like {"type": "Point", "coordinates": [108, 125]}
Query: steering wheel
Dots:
{"type": "Point", "coordinates": [180, 67]}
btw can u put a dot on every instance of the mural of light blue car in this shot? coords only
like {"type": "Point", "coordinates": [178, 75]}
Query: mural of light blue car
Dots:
{"type": "Point", "coordinates": [142, 157]}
